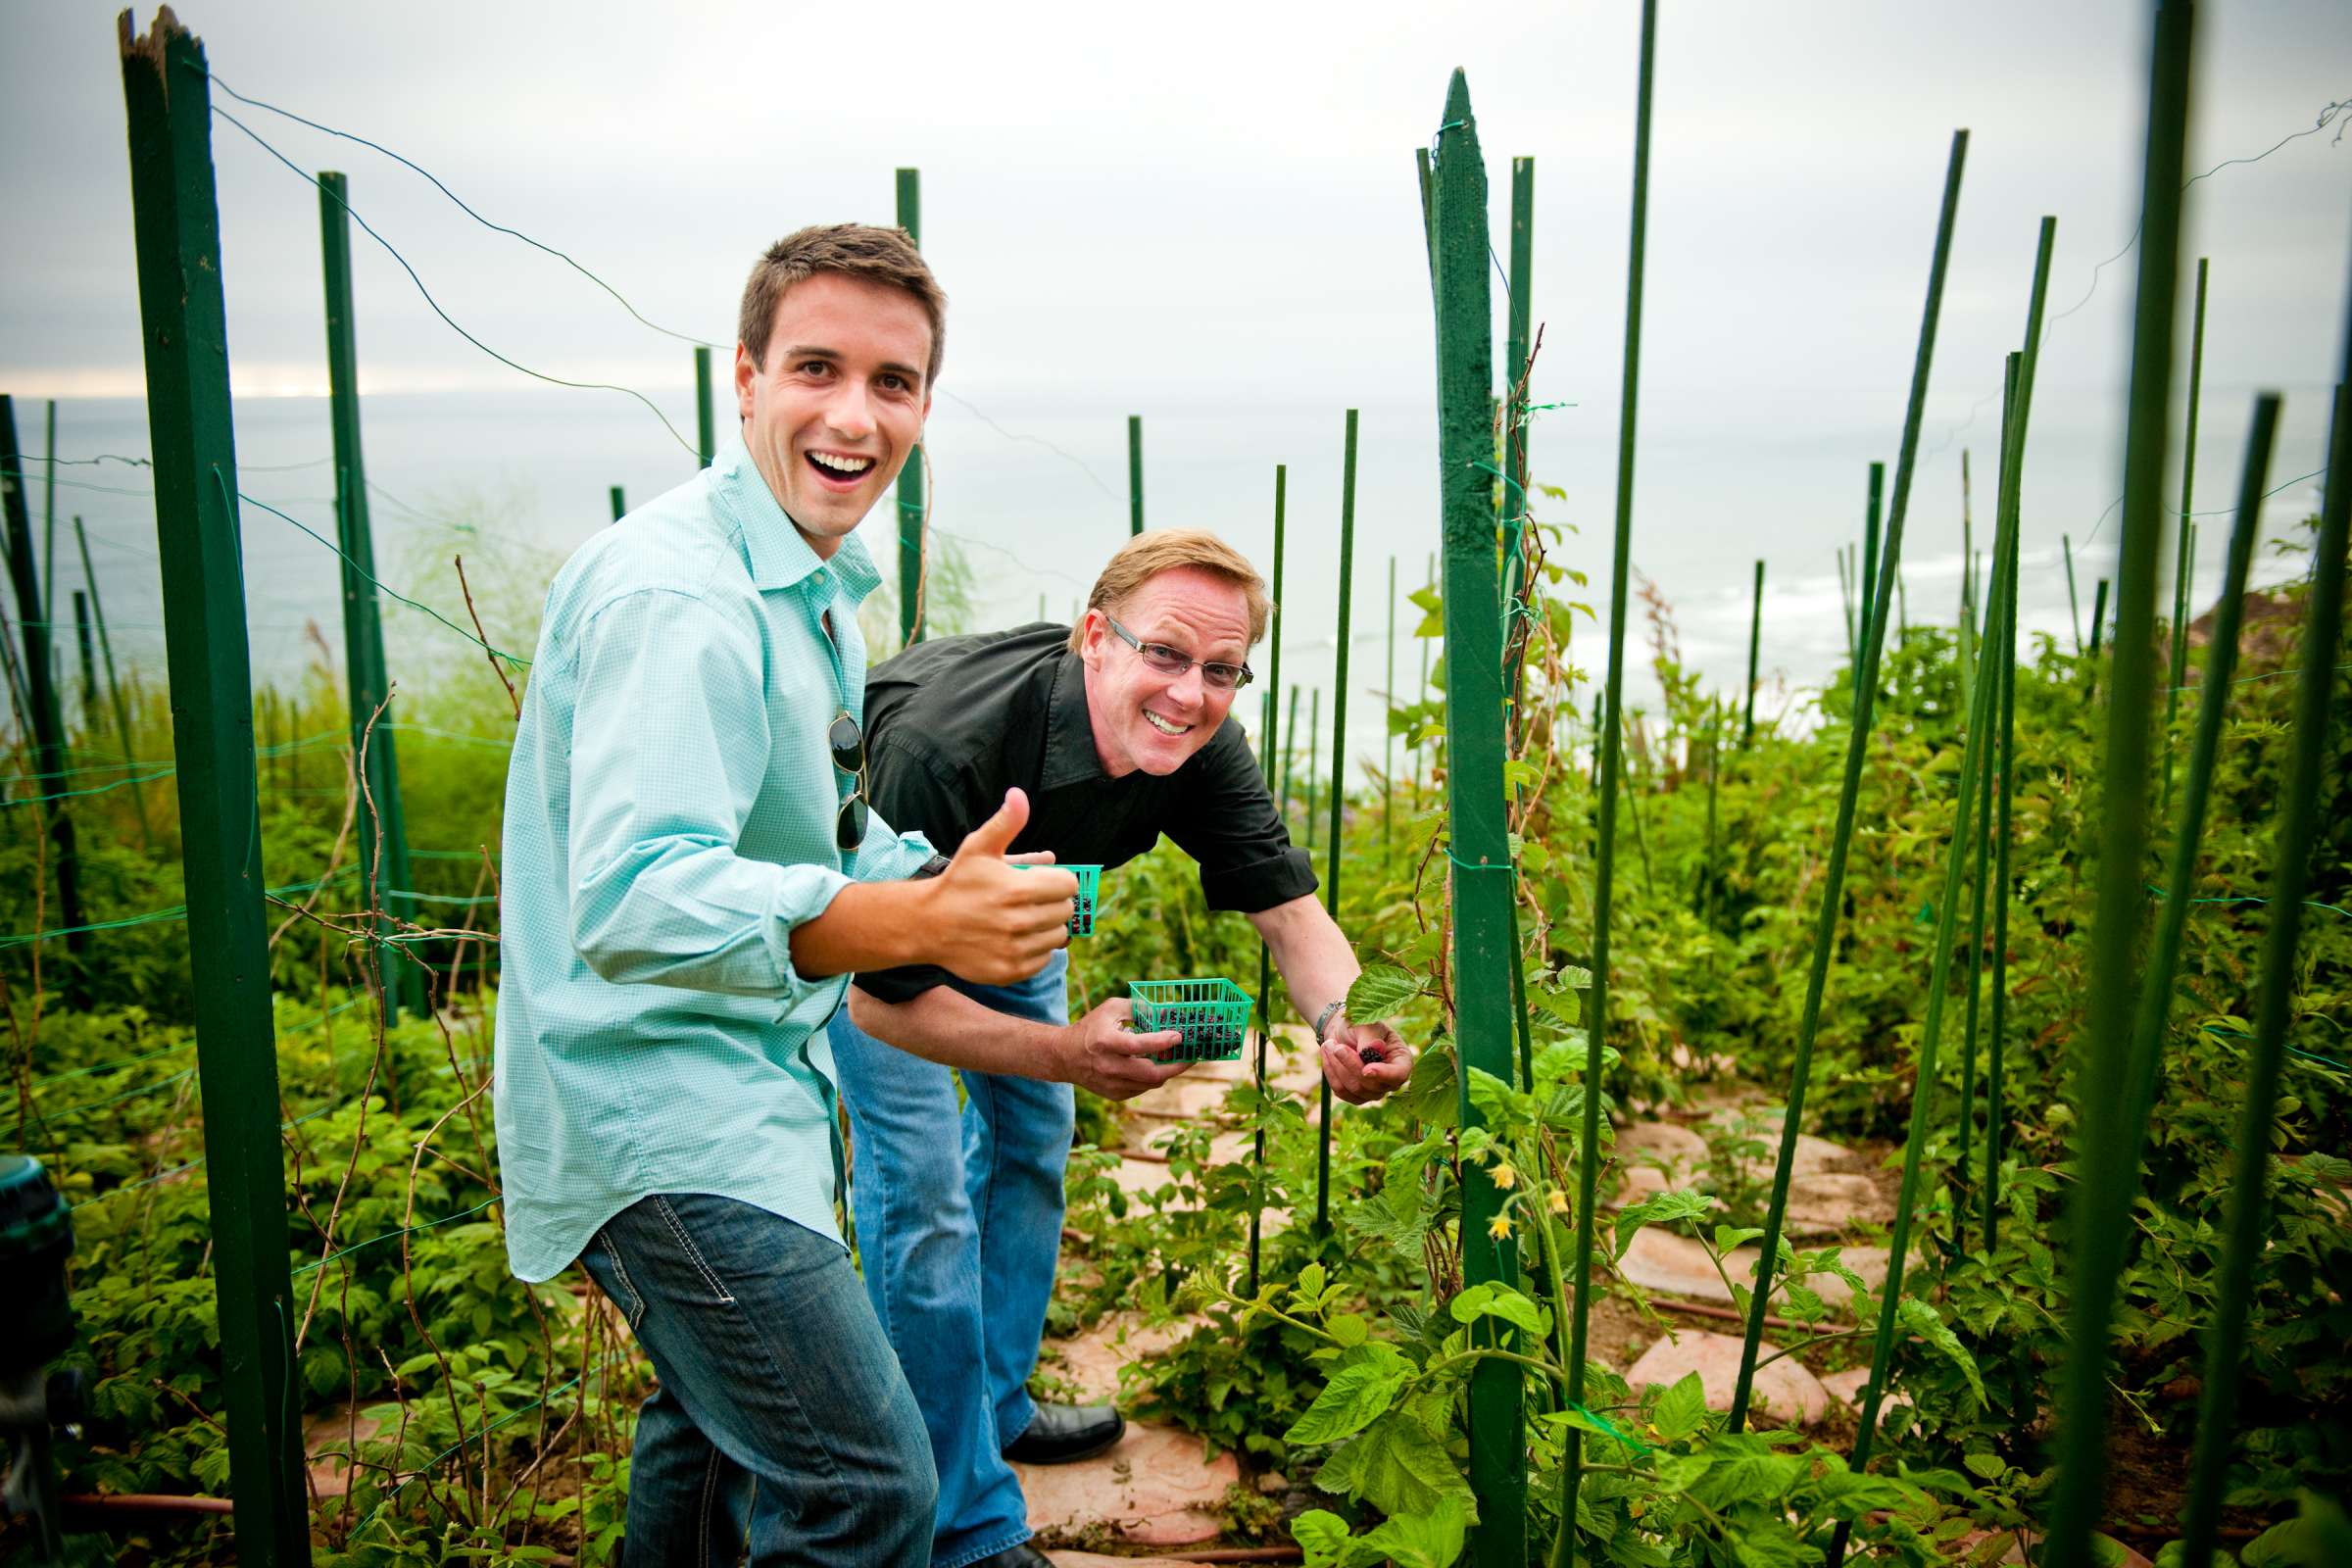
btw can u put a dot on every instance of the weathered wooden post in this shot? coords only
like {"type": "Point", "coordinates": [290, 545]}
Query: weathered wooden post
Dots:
{"type": "Point", "coordinates": [382, 821]}
{"type": "Point", "coordinates": [912, 542]}
{"type": "Point", "coordinates": [1479, 848]}
{"type": "Point", "coordinates": [167, 95]}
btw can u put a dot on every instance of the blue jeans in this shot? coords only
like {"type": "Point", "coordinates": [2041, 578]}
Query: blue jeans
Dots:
{"type": "Point", "coordinates": [959, 1228]}
{"type": "Point", "coordinates": [781, 1422]}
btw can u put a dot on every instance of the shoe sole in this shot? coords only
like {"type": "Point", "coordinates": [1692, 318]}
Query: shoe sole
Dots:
{"type": "Point", "coordinates": [1103, 1447]}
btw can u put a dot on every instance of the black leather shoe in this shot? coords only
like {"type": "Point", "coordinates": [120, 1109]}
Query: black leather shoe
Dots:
{"type": "Point", "coordinates": [1023, 1555]}
{"type": "Point", "coordinates": [1062, 1433]}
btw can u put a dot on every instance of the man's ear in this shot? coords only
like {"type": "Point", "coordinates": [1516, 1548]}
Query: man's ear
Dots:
{"type": "Point", "coordinates": [746, 371]}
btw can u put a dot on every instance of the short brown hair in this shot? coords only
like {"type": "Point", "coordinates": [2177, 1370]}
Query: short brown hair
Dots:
{"type": "Point", "coordinates": [1147, 555]}
{"type": "Point", "coordinates": [884, 256]}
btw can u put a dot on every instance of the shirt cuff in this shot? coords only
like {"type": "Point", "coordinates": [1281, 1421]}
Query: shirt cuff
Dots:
{"type": "Point", "coordinates": [885, 855]}
{"type": "Point", "coordinates": [803, 893]}
{"type": "Point", "coordinates": [1258, 885]}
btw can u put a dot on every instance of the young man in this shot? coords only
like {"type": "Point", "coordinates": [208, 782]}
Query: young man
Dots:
{"type": "Point", "coordinates": [690, 872]}
{"type": "Point", "coordinates": [1118, 729]}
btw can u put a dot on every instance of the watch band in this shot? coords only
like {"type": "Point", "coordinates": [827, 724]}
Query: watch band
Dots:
{"type": "Point", "coordinates": [1323, 1018]}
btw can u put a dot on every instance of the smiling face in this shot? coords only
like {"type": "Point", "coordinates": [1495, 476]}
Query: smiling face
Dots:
{"type": "Point", "coordinates": [1145, 722]}
{"type": "Point", "coordinates": [838, 402]}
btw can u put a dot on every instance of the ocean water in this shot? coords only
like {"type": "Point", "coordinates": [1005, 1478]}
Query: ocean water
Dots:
{"type": "Point", "coordinates": [1030, 486]}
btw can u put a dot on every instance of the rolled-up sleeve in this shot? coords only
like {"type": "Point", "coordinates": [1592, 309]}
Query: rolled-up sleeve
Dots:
{"type": "Point", "coordinates": [671, 742]}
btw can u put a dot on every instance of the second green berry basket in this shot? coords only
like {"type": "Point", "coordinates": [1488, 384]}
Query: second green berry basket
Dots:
{"type": "Point", "coordinates": [1082, 907]}
{"type": "Point", "coordinates": [1213, 1014]}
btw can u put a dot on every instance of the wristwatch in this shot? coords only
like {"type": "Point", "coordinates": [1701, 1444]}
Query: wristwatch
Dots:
{"type": "Point", "coordinates": [1323, 1018]}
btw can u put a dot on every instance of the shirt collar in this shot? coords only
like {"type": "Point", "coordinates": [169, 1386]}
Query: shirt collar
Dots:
{"type": "Point", "coordinates": [1070, 756]}
{"type": "Point", "coordinates": [779, 556]}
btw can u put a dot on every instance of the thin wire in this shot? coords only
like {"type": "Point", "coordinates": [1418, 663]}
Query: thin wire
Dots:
{"type": "Point", "coordinates": [391, 1236]}
{"type": "Point", "coordinates": [540, 375]}
{"type": "Point", "coordinates": [436, 182]}
{"type": "Point", "coordinates": [2217, 511]}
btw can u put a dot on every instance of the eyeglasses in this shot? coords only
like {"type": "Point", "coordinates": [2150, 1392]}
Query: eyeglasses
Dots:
{"type": "Point", "coordinates": [849, 755]}
{"type": "Point", "coordinates": [1175, 661]}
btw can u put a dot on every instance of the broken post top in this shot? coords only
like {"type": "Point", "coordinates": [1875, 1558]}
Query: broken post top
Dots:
{"type": "Point", "coordinates": [160, 36]}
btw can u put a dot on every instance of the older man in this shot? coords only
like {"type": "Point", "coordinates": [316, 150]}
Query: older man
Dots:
{"type": "Point", "coordinates": [1118, 730]}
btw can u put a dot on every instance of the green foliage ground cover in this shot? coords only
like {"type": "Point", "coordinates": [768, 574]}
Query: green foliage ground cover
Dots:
{"type": "Point", "coordinates": [489, 1420]}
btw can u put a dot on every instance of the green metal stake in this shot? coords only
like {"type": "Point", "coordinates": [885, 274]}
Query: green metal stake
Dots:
{"type": "Point", "coordinates": [90, 659]}
{"type": "Point", "coordinates": [1314, 735]}
{"type": "Point", "coordinates": [2009, 505]}
{"type": "Point", "coordinates": [1870, 541]}
{"type": "Point", "coordinates": [1338, 792]}
{"type": "Point", "coordinates": [2298, 831]}
{"type": "Point", "coordinates": [114, 687]}
{"type": "Point", "coordinates": [911, 543]}
{"type": "Point", "coordinates": [1134, 474]}
{"type": "Point", "coordinates": [2099, 615]}
{"type": "Point", "coordinates": [621, 505]}
{"type": "Point", "coordinates": [1388, 739]}
{"type": "Point", "coordinates": [1707, 865]}
{"type": "Point", "coordinates": [2177, 672]}
{"type": "Point", "coordinates": [1290, 743]}
{"type": "Point", "coordinates": [49, 529]}
{"type": "Point", "coordinates": [2073, 606]}
{"type": "Point", "coordinates": [1845, 602]}
{"type": "Point", "coordinates": [2106, 1150]}
{"type": "Point", "coordinates": [1608, 741]}
{"type": "Point", "coordinates": [706, 443]}
{"type": "Point", "coordinates": [167, 96]}
{"type": "Point", "coordinates": [1265, 968]}
{"type": "Point", "coordinates": [1857, 745]}
{"type": "Point", "coordinates": [1429, 580]}
{"type": "Point", "coordinates": [1981, 862]}
{"type": "Point", "coordinates": [382, 820]}
{"type": "Point", "coordinates": [1968, 594]}
{"type": "Point", "coordinates": [48, 715]}
{"type": "Point", "coordinates": [1477, 843]}
{"type": "Point", "coordinates": [1755, 642]}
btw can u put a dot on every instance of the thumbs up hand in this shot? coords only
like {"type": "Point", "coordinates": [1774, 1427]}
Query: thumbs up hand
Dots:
{"type": "Point", "coordinates": [987, 920]}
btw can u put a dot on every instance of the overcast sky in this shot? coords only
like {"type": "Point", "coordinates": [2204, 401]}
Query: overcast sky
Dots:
{"type": "Point", "coordinates": [1210, 219]}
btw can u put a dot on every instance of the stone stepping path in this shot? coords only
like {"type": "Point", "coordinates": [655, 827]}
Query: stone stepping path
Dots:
{"type": "Point", "coordinates": [1155, 1488]}
{"type": "Point", "coordinates": [1660, 1262]}
{"type": "Point", "coordinates": [1783, 1391]}
{"type": "Point", "coordinates": [328, 1437]}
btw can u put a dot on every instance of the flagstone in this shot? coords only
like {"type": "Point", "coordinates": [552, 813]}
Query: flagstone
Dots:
{"type": "Point", "coordinates": [1154, 1487]}
{"type": "Point", "coordinates": [1091, 1360]}
{"type": "Point", "coordinates": [1678, 1265]}
{"type": "Point", "coordinates": [1661, 1143]}
{"type": "Point", "coordinates": [1782, 1391]}
{"type": "Point", "coordinates": [328, 1437]}
{"type": "Point", "coordinates": [1846, 1388]}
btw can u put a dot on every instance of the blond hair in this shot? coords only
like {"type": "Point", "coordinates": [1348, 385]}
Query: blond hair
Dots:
{"type": "Point", "coordinates": [1147, 555]}
{"type": "Point", "coordinates": [885, 256]}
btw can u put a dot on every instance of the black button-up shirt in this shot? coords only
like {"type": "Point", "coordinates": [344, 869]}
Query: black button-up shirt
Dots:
{"type": "Point", "coordinates": [950, 726]}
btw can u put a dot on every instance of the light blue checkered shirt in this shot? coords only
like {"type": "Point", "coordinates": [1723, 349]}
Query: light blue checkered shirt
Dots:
{"type": "Point", "coordinates": [669, 818]}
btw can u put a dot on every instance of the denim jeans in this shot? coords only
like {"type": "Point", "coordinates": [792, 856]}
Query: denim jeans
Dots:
{"type": "Point", "coordinates": [959, 1229]}
{"type": "Point", "coordinates": [782, 1422]}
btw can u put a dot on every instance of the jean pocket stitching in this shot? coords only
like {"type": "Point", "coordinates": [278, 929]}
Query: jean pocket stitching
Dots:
{"type": "Point", "coordinates": [693, 1256]}
{"type": "Point", "coordinates": [633, 1310]}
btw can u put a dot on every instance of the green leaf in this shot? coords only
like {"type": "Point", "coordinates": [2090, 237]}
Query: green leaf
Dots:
{"type": "Point", "coordinates": [1668, 1205]}
{"type": "Point", "coordinates": [1497, 1104]}
{"type": "Point", "coordinates": [1681, 1408]}
{"type": "Point", "coordinates": [1727, 1237]}
{"type": "Point", "coordinates": [1348, 1329]}
{"type": "Point", "coordinates": [1358, 1393]}
{"type": "Point", "coordinates": [1432, 1539]}
{"type": "Point", "coordinates": [1380, 991]}
{"type": "Point", "coordinates": [1919, 1318]}
{"type": "Point", "coordinates": [1309, 1289]}
{"type": "Point", "coordinates": [1991, 1466]}
{"type": "Point", "coordinates": [1493, 1298]}
{"type": "Point", "coordinates": [1397, 1466]}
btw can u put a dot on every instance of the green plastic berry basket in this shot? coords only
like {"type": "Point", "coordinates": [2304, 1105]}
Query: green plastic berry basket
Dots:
{"type": "Point", "coordinates": [1215, 1016]}
{"type": "Point", "coordinates": [1082, 907]}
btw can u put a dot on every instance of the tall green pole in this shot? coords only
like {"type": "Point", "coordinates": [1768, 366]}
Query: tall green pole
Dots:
{"type": "Point", "coordinates": [2178, 671]}
{"type": "Point", "coordinates": [114, 687]}
{"type": "Point", "coordinates": [1429, 580]}
{"type": "Point", "coordinates": [1290, 743]}
{"type": "Point", "coordinates": [48, 714]}
{"type": "Point", "coordinates": [2073, 604]}
{"type": "Point", "coordinates": [1857, 746]}
{"type": "Point", "coordinates": [1388, 738]}
{"type": "Point", "coordinates": [1265, 968]}
{"type": "Point", "coordinates": [90, 659]}
{"type": "Point", "coordinates": [1980, 864]}
{"type": "Point", "coordinates": [2298, 832]}
{"type": "Point", "coordinates": [1755, 644]}
{"type": "Point", "coordinates": [1314, 735]}
{"type": "Point", "coordinates": [621, 505]}
{"type": "Point", "coordinates": [169, 99]}
{"type": "Point", "coordinates": [912, 542]}
{"type": "Point", "coordinates": [1338, 777]}
{"type": "Point", "coordinates": [1870, 539]}
{"type": "Point", "coordinates": [705, 432]}
{"type": "Point", "coordinates": [382, 821]}
{"type": "Point", "coordinates": [1479, 848]}
{"type": "Point", "coordinates": [2106, 1150]}
{"type": "Point", "coordinates": [1134, 474]}
{"type": "Point", "coordinates": [1610, 745]}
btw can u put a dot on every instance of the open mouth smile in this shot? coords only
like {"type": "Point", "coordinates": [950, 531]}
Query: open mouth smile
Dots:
{"type": "Point", "coordinates": [1166, 726]}
{"type": "Point", "coordinates": [839, 471]}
